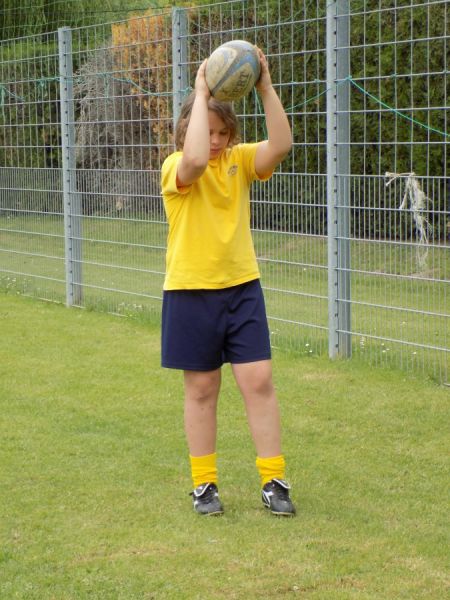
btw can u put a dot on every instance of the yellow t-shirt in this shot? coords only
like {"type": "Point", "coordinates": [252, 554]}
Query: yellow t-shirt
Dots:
{"type": "Point", "coordinates": [209, 245]}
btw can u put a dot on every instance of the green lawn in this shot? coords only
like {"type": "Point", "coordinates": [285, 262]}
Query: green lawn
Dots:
{"type": "Point", "coordinates": [94, 474]}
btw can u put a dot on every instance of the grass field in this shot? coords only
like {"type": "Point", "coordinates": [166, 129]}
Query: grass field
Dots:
{"type": "Point", "coordinates": [94, 474]}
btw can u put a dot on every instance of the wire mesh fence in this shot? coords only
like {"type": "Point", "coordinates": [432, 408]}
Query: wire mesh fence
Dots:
{"type": "Point", "coordinates": [352, 230]}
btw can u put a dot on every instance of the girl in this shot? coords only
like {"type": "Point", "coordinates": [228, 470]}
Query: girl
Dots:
{"type": "Point", "coordinates": [213, 307]}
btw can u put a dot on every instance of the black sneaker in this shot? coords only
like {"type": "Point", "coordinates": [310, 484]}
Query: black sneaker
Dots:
{"type": "Point", "coordinates": [275, 497]}
{"type": "Point", "coordinates": [206, 499]}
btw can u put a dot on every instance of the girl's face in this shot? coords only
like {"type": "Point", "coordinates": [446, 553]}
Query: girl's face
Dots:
{"type": "Point", "coordinates": [219, 135]}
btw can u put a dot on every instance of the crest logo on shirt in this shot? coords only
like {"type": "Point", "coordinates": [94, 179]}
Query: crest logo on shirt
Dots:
{"type": "Point", "coordinates": [232, 170]}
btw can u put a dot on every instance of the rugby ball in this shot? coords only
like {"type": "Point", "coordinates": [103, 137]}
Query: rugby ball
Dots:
{"type": "Point", "coordinates": [232, 70]}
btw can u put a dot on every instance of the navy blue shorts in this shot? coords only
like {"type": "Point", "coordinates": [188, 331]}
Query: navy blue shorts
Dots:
{"type": "Point", "coordinates": [202, 329]}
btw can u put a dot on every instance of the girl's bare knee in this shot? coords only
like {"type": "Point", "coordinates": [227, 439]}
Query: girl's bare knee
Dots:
{"type": "Point", "coordinates": [201, 386]}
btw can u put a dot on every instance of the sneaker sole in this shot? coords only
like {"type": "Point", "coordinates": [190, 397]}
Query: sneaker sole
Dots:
{"type": "Point", "coordinates": [216, 513]}
{"type": "Point", "coordinates": [282, 514]}
{"type": "Point", "coordinates": [279, 514]}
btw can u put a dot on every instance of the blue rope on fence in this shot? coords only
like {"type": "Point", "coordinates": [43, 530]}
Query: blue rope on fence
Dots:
{"type": "Point", "coordinates": [395, 110]}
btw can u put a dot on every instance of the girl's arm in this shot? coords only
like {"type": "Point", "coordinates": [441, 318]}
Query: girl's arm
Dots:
{"type": "Point", "coordinates": [196, 143]}
{"type": "Point", "coordinates": [272, 151]}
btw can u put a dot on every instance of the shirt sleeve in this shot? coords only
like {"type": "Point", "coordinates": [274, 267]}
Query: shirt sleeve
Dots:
{"type": "Point", "coordinates": [248, 154]}
{"type": "Point", "coordinates": [169, 176]}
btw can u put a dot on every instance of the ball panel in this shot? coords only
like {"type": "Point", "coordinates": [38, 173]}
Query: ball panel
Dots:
{"type": "Point", "coordinates": [237, 82]}
{"type": "Point", "coordinates": [219, 62]}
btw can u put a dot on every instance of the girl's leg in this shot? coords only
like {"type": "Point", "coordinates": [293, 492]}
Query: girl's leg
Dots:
{"type": "Point", "coordinates": [200, 410]}
{"type": "Point", "coordinates": [200, 417]}
{"type": "Point", "coordinates": [255, 383]}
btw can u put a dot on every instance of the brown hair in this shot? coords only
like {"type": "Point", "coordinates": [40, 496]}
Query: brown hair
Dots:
{"type": "Point", "coordinates": [223, 109]}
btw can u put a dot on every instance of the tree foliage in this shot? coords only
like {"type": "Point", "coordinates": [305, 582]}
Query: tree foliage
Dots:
{"type": "Point", "coordinates": [19, 18]}
{"type": "Point", "coordinates": [123, 109]}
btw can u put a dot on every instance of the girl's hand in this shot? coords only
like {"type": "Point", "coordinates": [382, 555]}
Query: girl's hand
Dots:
{"type": "Point", "coordinates": [265, 81]}
{"type": "Point", "coordinates": [201, 87]}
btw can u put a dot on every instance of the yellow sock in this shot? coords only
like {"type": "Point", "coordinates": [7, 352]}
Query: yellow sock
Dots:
{"type": "Point", "coordinates": [203, 469]}
{"type": "Point", "coordinates": [270, 468]}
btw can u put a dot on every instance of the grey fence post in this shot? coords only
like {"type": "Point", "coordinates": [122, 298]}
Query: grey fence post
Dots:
{"type": "Point", "coordinates": [338, 178]}
{"type": "Point", "coordinates": [72, 201]}
{"type": "Point", "coordinates": [179, 60]}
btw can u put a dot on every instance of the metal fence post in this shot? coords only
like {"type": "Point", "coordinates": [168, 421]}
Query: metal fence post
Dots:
{"type": "Point", "coordinates": [72, 201]}
{"type": "Point", "coordinates": [179, 60]}
{"type": "Point", "coordinates": [338, 181]}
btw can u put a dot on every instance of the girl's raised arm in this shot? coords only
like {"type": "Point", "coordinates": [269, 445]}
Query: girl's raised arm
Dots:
{"type": "Point", "coordinates": [196, 143]}
{"type": "Point", "coordinates": [272, 151]}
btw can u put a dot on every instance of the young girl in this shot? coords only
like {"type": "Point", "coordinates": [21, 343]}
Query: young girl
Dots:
{"type": "Point", "coordinates": [213, 308]}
